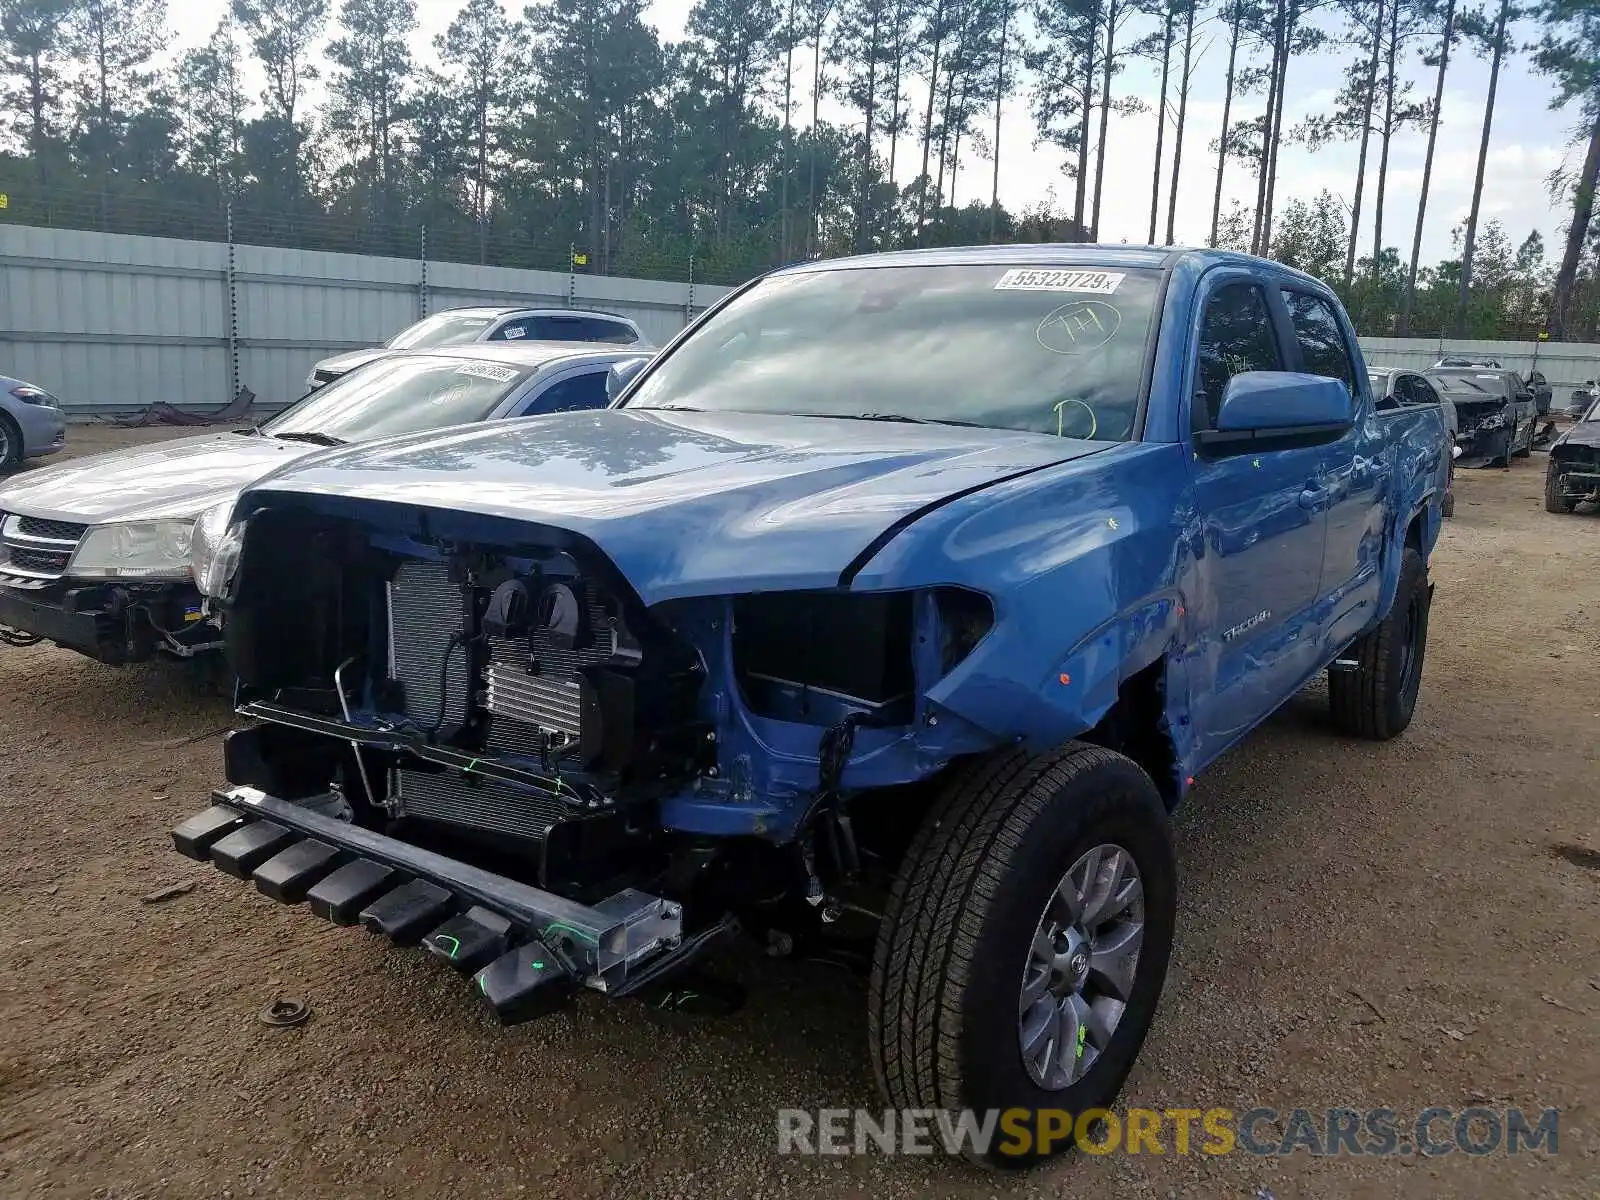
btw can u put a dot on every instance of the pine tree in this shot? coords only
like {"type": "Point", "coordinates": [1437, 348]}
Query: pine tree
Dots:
{"type": "Point", "coordinates": [211, 110]}
{"type": "Point", "coordinates": [367, 93]}
{"type": "Point", "coordinates": [283, 35]}
{"type": "Point", "coordinates": [33, 57]}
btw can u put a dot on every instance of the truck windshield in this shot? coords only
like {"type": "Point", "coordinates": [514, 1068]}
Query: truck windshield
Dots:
{"type": "Point", "coordinates": [405, 394]}
{"type": "Point", "coordinates": [1057, 350]}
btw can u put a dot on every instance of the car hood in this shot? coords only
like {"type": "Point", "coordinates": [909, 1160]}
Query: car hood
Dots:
{"type": "Point", "coordinates": [683, 503]}
{"type": "Point", "coordinates": [166, 479]}
{"type": "Point", "coordinates": [339, 364]}
{"type": "Point", "coordinates": [1584, 433]}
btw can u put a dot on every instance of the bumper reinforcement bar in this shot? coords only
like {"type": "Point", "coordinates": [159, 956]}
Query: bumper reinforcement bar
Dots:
{"type": "Point", "coordinates": [525, 948]}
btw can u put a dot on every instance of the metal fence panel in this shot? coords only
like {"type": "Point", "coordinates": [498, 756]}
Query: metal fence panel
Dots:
{"type": "Point", "coordinates": [114, 322]}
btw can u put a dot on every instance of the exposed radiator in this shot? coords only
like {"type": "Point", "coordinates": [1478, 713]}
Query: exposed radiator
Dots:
{"type": "Point", "coordinates": [425, 623]}
{"type": "Point", "coordinates": [523, 702]}
{"type": "Point", "coordinates": [480, 804]}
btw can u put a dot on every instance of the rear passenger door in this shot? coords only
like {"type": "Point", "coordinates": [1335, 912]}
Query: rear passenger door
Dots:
{"type": "Point", "coordinates": [1261, 521]}
{"type": "Point", "coordinates": [1354, 469]}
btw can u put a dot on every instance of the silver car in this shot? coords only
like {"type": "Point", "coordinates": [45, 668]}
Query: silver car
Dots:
{"type": "Point", "coordinates": [464, 326]}
{"type": "Point", "coordinates": [31, 423]}
{"type": "Point", "coordinates": [94, 553]}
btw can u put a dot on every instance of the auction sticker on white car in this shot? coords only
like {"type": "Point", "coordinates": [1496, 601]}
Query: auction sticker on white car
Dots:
{"type": "Point", "coordinates": [1095, 283]}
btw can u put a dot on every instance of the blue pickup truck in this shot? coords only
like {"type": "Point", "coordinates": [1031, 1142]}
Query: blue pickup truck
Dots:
{"type": "Point", "coordinates": [890, 610]}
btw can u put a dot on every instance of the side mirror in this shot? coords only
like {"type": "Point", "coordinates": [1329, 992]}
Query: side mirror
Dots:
{"type": "Point", "coordinates": [622, 374]}
{"type": "Point", "coordinates": [1260, 408]}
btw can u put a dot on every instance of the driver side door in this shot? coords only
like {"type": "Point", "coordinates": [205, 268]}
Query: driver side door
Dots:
{"type": "Point", "coordinates": [1262, 524]}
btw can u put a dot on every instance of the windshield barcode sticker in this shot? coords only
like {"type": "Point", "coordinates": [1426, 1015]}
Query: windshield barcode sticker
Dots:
{"type": "Point", "coordinates": [487, 371]}
{"type": "Point", "coordinates": [1095, 283]}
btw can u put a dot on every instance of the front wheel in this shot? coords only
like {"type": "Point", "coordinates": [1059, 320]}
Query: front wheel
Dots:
{"type": "Point", "coordinates": [10, 444]}
{"type": "Point", "coordinates": [1377, 698]}
{"type": "Point", "coordinates": [1025, 946]}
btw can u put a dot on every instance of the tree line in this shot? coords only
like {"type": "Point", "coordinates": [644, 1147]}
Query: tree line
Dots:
{"type": "Point", "coordinates": [573, 127]}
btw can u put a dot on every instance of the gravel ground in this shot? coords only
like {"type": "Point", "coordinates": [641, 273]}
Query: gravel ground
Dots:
{"type": "Point", "coordinates": [1392, 925]}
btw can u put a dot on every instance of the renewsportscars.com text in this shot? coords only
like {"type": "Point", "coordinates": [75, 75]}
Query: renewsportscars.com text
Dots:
{"type": "Point", "coordinates": [1377, 1132]}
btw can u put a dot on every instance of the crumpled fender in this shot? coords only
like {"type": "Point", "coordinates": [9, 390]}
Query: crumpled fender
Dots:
{"type": "Point", "coordinates": [1080, 561]}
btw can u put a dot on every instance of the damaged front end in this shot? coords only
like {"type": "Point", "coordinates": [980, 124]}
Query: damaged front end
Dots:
{"type": "Point", "coordinates": [1487, 429]}
{"type": "Point", "coordinates": [490, 746]}
{"type": "Point", "coordinates": [1574, 472]}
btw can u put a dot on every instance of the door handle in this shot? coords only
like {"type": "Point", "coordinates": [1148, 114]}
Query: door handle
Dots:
{"type": "Point", "coordinates": [1314, 498]}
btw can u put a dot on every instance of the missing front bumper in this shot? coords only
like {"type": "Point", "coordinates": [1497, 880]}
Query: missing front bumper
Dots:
{"type": "Point", "coordinates": [526, 949]}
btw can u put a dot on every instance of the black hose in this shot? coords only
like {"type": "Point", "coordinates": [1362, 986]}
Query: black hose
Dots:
{"type": "Point", "coordinates": [13, 637]}
{"type": "Point", "coordinates": [456, 639]}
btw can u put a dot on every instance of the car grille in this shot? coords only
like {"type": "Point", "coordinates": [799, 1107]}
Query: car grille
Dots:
{"type": "Point", "coordinates": [61, 531]}
{"type": "Point", "coordinates": [36, 548]}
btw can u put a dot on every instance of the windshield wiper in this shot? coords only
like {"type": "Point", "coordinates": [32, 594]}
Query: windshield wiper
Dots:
{"type": "Point", "coordinates": [316, 439]}
{"type": "Point", "coordinates": [905, 419]}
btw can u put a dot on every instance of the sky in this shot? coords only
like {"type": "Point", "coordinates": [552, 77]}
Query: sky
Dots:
{"type": "Point", "coordinates": [1527, 142]}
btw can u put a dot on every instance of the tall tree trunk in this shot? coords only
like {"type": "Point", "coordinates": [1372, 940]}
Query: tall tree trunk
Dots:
{"type": "Point", "coordinates": [999, 96]}
{"type": "Point", "coordinates": [36, 106]}
{"type": "Point", "coordinates": [1291, 19]}
{"type": "Point", "coordinates": [1112, 9]}
{"type": "Point", "coordinates": [944, 128]}
{"type": "Point", "coordinates": [1386, 135]}
{"type": "Point", "coordinates": [894, 84]}
{"type": "Point", "coordinates": [1086, 95]}
{"type": "Point", "coordinates": [1577, 232]}
{"type": "Point", "coordinates": [1410, 296]}
{"type": "Point", "coordinates": [1263, 166]}
{"type": "Point", "coordinates": [811, 166]}
{"type": "Point", "coordinates": [864, 210]}
{"type": "Point", "coordinates": [1483, 159]}
{"type": "Point", "coordinates": [1183, 112]}
{"type": "Point", "coordinates": [1161, 120]}
{"type": "Point", "coordinates": [955, 142]}
{"type": "Point", "coordinates": [1235, 21]}
{"type": "Point", "coordinates": [788, 134]}
{"type": "Point", "coordinates": [1367, 102]}
{"type": "Point", "coordinates": [927, 113]}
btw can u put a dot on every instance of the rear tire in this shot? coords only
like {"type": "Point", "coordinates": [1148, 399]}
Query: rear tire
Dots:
{"type": "Point", "coordinates": [958, 943]}
{"type": "Point", "coordinates": [1377, 699]}
{"type": "Point", "coordinates": [1554, 501]}
{"type": "Point", "coordinates": [10, 444]}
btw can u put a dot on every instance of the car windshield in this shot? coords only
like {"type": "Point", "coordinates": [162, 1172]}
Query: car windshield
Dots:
{"type": "Point", "coordinates": [398, 395]}
{"type": "Point", "coordinates": [1594, 411]}
{"type": "Point", "coordinates": [442, 329]}
{"type": "Point", "coordinates": [1058, 351]}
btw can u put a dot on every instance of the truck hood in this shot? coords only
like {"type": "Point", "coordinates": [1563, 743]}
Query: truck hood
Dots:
{"type": "Point", "coordinates": [684, 503]}
{"type": "Point", "coordinates": [165, 479]}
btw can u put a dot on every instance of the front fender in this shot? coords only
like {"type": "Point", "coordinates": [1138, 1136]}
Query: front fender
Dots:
{"type": "Point", "coordinates": [1080, 562]}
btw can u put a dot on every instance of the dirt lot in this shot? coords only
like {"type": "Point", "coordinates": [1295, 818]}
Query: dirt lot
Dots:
{"type": "Point", "coordinates": [1374, 926]}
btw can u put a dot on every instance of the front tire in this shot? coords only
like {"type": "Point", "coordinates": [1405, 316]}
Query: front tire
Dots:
{"type": "Point", "coordinates": [1554, 501]}
{"type": "Point", "coordinates": [980, 936]}
{"type": "Point", "coordinates": [1376, 700]}
{"type": "Point", "coordinates": [10, 444]}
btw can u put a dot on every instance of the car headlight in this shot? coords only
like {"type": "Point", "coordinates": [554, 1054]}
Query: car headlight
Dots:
{"type": "Point", "coordinates": [214, 554]}
{"type": "Point", "coordinates": [29, 394]}
{"type": "Point", "coordinates": [134, 550]}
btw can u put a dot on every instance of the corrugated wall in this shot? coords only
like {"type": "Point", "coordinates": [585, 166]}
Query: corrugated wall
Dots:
{"type": "Point", "coordinates": [1564, 364]}
{"type": "Point", "coordinates": [111, 322]}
